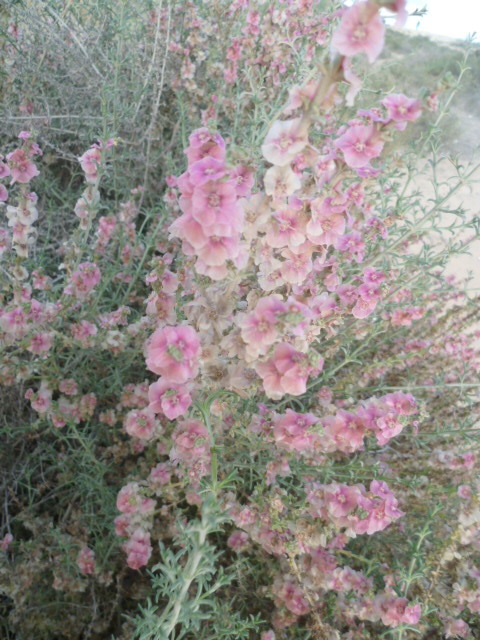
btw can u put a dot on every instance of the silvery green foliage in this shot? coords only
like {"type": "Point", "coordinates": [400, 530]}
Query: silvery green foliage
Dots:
{"type": "Point", "coordinates": [186, 582]}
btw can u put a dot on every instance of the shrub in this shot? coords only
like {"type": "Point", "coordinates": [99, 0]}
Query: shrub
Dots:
{"type": "Point", "coordinates": [240, 393]}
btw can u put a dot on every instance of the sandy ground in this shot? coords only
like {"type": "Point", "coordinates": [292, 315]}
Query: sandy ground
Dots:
{"type": "Point", "coordinates": [469, 198]}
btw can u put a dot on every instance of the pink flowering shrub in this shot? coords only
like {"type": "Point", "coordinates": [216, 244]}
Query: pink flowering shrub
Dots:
{"type": "Point", "coordinates": [242, 376]}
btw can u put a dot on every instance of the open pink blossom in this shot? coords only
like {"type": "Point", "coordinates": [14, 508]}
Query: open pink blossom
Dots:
{"type": "Point", "coordinates": [361, 30]}
{"type": "Point", "coordinates": [173, 400]}
{"type": "Point", "coordinates": [286, 371]}
{"type": "Point", "coordinates": [3, 193]}
{"type": "Point", "coordinates": [281, 182]}
{"type": "Point", "coordinates": [291, 431]}
{"type": "Point", "coordinates": [259, 329]}
{"type": "Point", "coordinates": [243, 179]}
{"type": "Point", "coordinates": [173, 353]}
{"type": "Point", "coordinates": [401, 109]}
{"type": "Point", "coordinates": [219, 249]}
{"type": "Point", "coordinates": [341, 499]}
{"type": "Point", "coordinates": [352, 243]}
{"type": "Point", "coordinates": [14, 322]}
{"type": "Point", "coordinates": [138, 549]}
{"type": "Point", "coordinates": [402, 403]}
{"type": "Point", "coordinates": [287, 229]}
{"type": "Point", "coordinates": [205, 170]}
{"type": "Point", "coordinates": [22, 169]}
{"type": "Point", "coordinates": [363, 308]}
{"type": "Point", "coordinates": [284, 141]}
{"type": "Point", "coordinates": [187, 228]}
{"type": "Point", "coordinates": [140, 423]}
{"type": "Point", "coordinates": [40, 343]}
{"type": "Point", "coordinates": [325, 227]}
{"type": "Point", "coordinates": [359, 144]}
{"type": "Point", "coordinates": [381, 507]}
{"type": "Point", "coordinates": [215, 203]}
{"type": "Point", "coordinates": [42, 400]}
{"type": "Point", "coordinates": [297, 264]}
{"type": "Point", "coordinates": [344, 431]}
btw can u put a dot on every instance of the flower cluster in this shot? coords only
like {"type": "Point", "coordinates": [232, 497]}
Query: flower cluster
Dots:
{"type": "Point", "coordinates": [212, 217]}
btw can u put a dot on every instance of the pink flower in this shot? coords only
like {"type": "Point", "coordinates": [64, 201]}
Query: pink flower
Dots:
{"type": "Point", "coordinates": [130, 500]}
{"type": "Point", "coordinates": [361, 30]}
{"type": "Point", "coordinates": [3, 193]}
{"type": "Point", "coordinates": [325, 227]}
{"type": "Point", "coordinates": [159, 476]}
{"type": "Point", "coordinates": [259, 329]}
{"type": "Point", "coordinates": [40, 343]}
{"type": "Point", "coordinates": [138, 549]}
{"type": "Point", "coordinates": [291, 431]}
{"type": "Point", "coordinates": [6, 542]}
{"type": "Point", "coordinates": [353, 243]}
{"type": "Point", "coordinates": [68, 386]}
{"type": "Point", "coordinates": [290, 595]}
{"type": "Point", "coordinates": [140, 423]}
{"type": "Point", "coordinates": [284, 141]}
{"type": "Point", "coordinates": [340, 499]}
{"type": "Point", "coordinates": [287, 228]}
{"type": "Point", "coordinates": [286, 371]}
{"type": "Point", "coordinates": [464, 491]}
{"type": "Point", "coordinates": [456, 628]}
{"type": "Point", "coordinates": [14, 322]}
{"type": "Point", "coordinates": [218, 249]}
{"type": "Point", "coordinates": [387, 426]}
{"type": "Point", "coordinates": [173, 400]}
{"type": "Point", "coordinates": [344, 431]}
{"type": "Point", "coordinates": [86, 561]}
{"type": "Point", "coordinates": [381, 509]}
{"type": "Point", "coordinates": [402, 109]}
{"type": "Point", "coordinates": [4, 170]}
{"type": "Point", "coordinates": [122, 524]}
{"type": "Point", "coordinates": [207, 169]}
{"type": "Point", "coordinates": [215, 203]}
{"type": "Point", "coordinates": [191, 441]}
{"type": "Point", "coordinates": [394, 611]}
{"type": "Point", "coordinates": [42, 400]}
{"type": "Point", "coordinates": [281, 182]}
{"type": "Point", "coordinates": [403, 403]}
{"type": "Point", "coordinates": [173, 353]}
{"type": "Point", "coordinates": [83, 280]}
{"type": "Point", "coordinates": [21, 168]}
{"type": "Point", "coordinates": [363, 308]}
{"type": "Point", "coordinates": [360, 143]}
{"type": "Point", "coordinates": [243, 180]}
{"type": "Point", "coordinates": [90, 162]}
{"type": "Point", "coordinates": [297, 265]}
{"type": "Point", "coordinates": [238, 541]}
{"type": "Point", "coordinates": [204, 143]}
